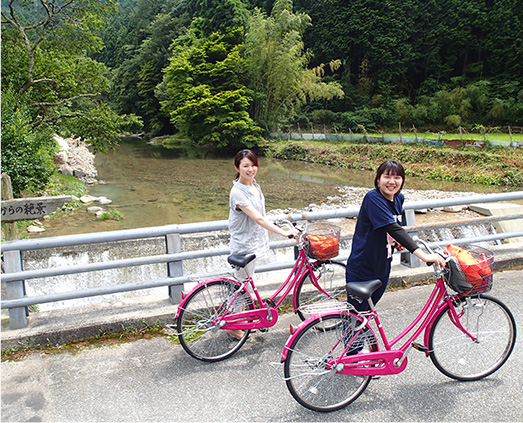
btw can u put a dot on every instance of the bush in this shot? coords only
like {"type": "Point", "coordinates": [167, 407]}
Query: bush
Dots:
{"type": "Point", "coordinates": [27, 153]}
{"type": "Point", "coordinates": [370, 118]}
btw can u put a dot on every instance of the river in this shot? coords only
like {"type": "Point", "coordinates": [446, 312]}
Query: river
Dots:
{"type": "Point", "coordinates": [152, 185]}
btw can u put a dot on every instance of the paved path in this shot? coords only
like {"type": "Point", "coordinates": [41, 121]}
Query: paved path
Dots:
{"type": "Point", "coordinates": [155, 380]}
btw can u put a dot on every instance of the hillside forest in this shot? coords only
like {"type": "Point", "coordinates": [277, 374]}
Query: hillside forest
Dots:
{"type": "Point", "coordinates": [225, 73]}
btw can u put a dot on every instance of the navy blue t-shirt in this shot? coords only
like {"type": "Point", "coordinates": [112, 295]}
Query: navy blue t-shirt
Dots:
{"type": "Point", "coordinates": [369, 255]}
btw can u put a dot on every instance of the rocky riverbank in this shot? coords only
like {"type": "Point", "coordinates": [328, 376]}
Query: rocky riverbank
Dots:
{"type": "Point", "coordinates": [353, 196]}
{"type": "Point", "coordinates": [75, 159]}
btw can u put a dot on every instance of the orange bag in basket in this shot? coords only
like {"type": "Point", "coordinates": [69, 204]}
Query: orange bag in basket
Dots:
{"type": "Point", "coordinates": [325, 246]}
{"type": "Point", "coordinates": [474, 269]}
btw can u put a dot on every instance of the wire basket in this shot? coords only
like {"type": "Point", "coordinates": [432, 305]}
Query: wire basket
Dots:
{"type": "Point", "coordinates": [322, 241]}
{"type": "Point", "coordinates": [470, 270]}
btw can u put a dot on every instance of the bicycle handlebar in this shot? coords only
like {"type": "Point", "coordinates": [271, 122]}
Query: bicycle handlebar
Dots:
{"type": "Point", "coordinates": [282, 222]}
{"type": "Point", "coordinates": [430, 250]}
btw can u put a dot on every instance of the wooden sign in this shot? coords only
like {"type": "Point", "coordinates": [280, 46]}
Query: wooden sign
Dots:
{"type": "Point", "coordinates": [31, 208]}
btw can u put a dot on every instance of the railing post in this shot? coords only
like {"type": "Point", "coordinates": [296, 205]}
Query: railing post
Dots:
{"type": "Point", "coordinates": [174, 268]}
{"type": "Point", "coordinates": [408, 259]}
{"type": "Point", "coordinates": [15, 290]}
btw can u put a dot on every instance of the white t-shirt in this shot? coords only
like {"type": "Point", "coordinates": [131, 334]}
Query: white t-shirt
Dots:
{"type": "Point", "coordinates": [246, 235]}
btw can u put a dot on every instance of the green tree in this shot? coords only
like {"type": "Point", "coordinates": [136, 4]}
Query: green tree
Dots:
{"type": "Point", "coordinates": [204, 93]}
{"type": "Point", "coordinates": [278, 65]}
{"type": "Point", "coordinates": [45, 59]}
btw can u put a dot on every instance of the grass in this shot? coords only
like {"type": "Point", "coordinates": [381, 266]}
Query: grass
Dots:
{"type": "Point", "coordinates": [113, 214]}
{"type": "Point", "coordinates": [129, 334]}
{"type": "Point", "coordinates": [494, 136]}
{"type": "Point", "coordinates": [497, 166]}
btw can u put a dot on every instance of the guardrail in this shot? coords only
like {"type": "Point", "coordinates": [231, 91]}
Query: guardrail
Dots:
{"type": "Point", "coordinates": [17, 301]}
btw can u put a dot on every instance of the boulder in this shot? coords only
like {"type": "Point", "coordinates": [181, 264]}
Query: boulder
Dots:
{"type": "Point", "coordinates": [104, 200]}
{"type": "Point", "coordinates": [35, 229]}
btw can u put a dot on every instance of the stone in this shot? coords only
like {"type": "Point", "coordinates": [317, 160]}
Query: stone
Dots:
{"type": "Point", "coordinates": [455, 209]}
{"type": "Point", "coordinates": [62, 143]}
{"type": "Point", "coordinates": [60, 158]}
{"type": "Point", "coordinates": [103, 200]}
{"type": "Point", "coordinates": [94, 209]}
{"type": "Point", "coordinates": [35, 229]}
{"type": "Point", "coordinates": [66, 170]}
{"type": "Point", "coordinates": [88, 199]}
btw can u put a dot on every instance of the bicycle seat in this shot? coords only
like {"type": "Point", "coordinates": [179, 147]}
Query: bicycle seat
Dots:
{"type": "Point", "coordinates": [364, 289]}
{"type": "Point", "coordinates": [241, 260]}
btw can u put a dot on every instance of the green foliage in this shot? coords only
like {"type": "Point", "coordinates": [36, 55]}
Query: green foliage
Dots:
{"type": "Point", "coordinates": [204, 94]}
{"type": "Point", "coordinates": [371, 118]}
{"type": "Point", "coordinates": [26, 153]}
{"type": "Point", "coordinates": [447, 63]}
{"type": "Point", "coordinates": [278, 65]}
{"type": "Point", "coordinates": [112, 214]}
{"type": "Point", "coordinates": [46, 62]}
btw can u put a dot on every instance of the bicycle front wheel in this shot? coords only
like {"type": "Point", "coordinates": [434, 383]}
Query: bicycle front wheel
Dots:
{"type": "Point", "coordinates": [331, 278]}
{"type": "Point", "coordinates": [308, 378]}
{"type": "Point", "coordinates": [460, 357]}
{"type": "Point", "coordinates": [199, 337]}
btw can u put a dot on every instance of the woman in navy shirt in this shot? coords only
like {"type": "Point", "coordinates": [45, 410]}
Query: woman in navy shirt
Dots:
{"type": "Point", "coordinates": [378, 232]}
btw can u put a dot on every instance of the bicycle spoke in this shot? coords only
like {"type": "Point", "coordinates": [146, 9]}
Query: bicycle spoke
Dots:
{"type": "Point", "coordinates": [460, 357]}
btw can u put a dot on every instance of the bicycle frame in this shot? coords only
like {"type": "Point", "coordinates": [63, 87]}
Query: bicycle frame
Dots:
{"type": "Point", "coordinates": [265, 314]}
{"type": "Point", "coordinates": [391, 360]}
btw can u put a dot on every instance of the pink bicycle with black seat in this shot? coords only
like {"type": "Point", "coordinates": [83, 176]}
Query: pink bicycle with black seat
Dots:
{"type": "Point", "coordinates": [223, 303]}
{"type": "Point", "coordinates": [330, 359]}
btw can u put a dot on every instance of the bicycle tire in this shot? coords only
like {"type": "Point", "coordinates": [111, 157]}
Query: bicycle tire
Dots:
{"type": "Point", "coordinates": [308, 380]}
{"type": "Point", "coordinates": [331, 277]}
{"type": "Point", "coordinates": [456, 355]}
{"type": "Point", "coordinates": [198, 336]}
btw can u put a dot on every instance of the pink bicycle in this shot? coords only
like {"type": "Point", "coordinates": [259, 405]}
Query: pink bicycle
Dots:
{"type": "Point", "coordinates": [216, 305]}
{"type": "Point", "coordinates": [330, 359]}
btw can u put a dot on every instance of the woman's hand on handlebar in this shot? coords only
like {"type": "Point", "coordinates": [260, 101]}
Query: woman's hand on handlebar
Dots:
{"type": "Point", "coordinates": [293, 232]}
{"type": "Point", "coordinates": [432, 258]}
{"type": "Point", "coordinates": [289, 227]}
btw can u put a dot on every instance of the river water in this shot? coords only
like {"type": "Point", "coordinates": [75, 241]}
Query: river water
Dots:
{"type": "Point", "coordinates": [152, 185]}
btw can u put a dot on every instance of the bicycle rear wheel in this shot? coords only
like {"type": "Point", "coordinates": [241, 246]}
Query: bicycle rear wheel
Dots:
{"type": "Point", "coordinates": [309, 380]}
{"type": "Point", "coordinates": [331, 278]}
{"type": "Point", "coordinates": [199, 337]}
{"type": "Point", "coordinates": [456, 354]}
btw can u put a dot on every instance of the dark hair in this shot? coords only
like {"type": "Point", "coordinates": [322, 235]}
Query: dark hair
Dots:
{"type": "Point", "coordinates": [242, 154]}
{"type": "Point", "coordinates": [391, 167]}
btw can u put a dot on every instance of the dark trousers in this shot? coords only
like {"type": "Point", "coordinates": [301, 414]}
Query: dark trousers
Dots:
{"type": "Point", "coordinates": [364, 305]}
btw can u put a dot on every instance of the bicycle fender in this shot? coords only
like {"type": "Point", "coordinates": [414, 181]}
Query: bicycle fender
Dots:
{"type": "Point", "coordinates": [426, 334]}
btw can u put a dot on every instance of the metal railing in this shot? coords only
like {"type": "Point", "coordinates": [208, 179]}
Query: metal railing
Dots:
{"type": "Point", "coordinates": [14, 278]}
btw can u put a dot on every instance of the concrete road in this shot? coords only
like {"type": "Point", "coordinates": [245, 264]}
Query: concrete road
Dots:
{"type": "Point", "coordinates": [155, 380]}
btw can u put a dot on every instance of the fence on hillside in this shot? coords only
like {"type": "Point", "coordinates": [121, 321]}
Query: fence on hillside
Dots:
{"type": "Point", "coordinates": [440, 138]}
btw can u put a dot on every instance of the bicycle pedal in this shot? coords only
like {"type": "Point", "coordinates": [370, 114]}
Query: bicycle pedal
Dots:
{"type": "Point", "coordinates": [420, 347]}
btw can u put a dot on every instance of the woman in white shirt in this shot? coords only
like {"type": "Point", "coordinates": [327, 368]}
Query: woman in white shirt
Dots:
{"type": "Point", "coordinates": [248, 224]}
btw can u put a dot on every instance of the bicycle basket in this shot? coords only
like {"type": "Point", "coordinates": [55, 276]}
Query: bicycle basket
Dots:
{"type": "Point", "coordinates": [469, 269]}
{"type": "Point", "coordinates": [322, 241]}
